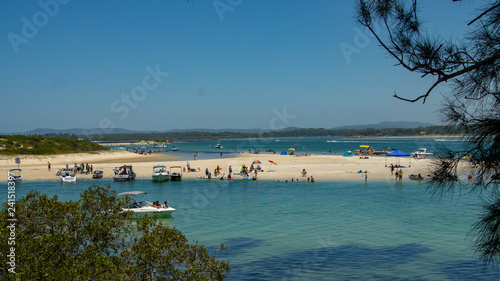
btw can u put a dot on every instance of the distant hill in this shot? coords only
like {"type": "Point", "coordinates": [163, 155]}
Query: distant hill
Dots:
{"type": "Point", "coordinates": [387, 125]}
{"type": "Point", "coordinates": [96, 131]}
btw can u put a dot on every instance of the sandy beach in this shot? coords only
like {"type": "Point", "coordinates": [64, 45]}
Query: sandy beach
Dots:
{"type": "Point", "coordinates": [321, 167]}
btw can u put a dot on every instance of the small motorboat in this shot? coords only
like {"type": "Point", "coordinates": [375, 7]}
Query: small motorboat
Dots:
{"type": "Point", "coordinates": [422, 152]}
{"type": "Point", "coordinates": [145, 208]}
{"type": "Point", "coordinates": [125, 173]}
{"type": "Point", "coordinates": [416, 177]}
{"type": "Point", "coordinates": [175, 173]}
{"type": "Point", "coordinates": [160, 173]}
{"type": "Point", "coordinates": [97, 174]}
{"type": "Point", "coordinates": [218, 146]}
{"type": "Point", "coordinates": [175, 148]}
{"type": "Point", "coordinates": [15, 175]}
{"type": "Point", "coordinates": [67, 175]}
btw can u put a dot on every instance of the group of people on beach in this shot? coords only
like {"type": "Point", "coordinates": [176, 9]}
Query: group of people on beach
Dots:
{"type": "Point", "coordinates": [81, 169]}
{"type": "Point", "coordinates": [398, 173]}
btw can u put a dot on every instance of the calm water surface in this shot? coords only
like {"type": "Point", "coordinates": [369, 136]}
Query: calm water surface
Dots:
{"type": "Point", "coordinates": [380, 230]}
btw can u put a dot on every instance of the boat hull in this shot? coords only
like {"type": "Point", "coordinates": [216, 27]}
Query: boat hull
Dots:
{"type": "Point", "coordinates": [151, 211]}
{"type": "Point", "coordinates": [68, 179]}
{"type": "Point", "coordinates": [160, 177]}
{"type": "Point", "coordinates": [175, 178]}
{"type": "Point", "coordinates": [121, 178]}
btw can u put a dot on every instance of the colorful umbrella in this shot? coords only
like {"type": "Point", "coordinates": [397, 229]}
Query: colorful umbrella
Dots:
{"type": "Point", "coordinates": [272, 162]}
{"type": "Point", "coordinates": [256, 162]}
{"type": "Point", "coordinates": [291, 149]}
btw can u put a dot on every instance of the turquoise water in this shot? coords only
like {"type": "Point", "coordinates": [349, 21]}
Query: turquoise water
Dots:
{"type": "Point", "coordinates": [310, 145]}
{"type": "Point", "coordinates": [379, 230]}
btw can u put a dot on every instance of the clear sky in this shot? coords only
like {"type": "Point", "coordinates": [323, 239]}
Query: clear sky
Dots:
{"type": "Point", "coordinates": [161, 65]}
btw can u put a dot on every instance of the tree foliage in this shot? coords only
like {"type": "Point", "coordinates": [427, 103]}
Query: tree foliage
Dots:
{"type": "Point", "coordinates": [291, 132]}
{"type": "Point", "coordinates": [470, 66]}
{"type": "Point", "coordinates": [92, 239]}
{"type": "Point", "coordinates": [43, 145]}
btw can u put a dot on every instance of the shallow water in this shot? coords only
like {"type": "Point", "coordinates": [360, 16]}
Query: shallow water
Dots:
{"type": "Point", "coordinates": [380, 230]}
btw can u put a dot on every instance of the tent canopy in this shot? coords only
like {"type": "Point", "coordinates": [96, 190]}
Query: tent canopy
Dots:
{"type": "Point", "coordinates": [398, 153]}
{"type": "Point", "coordinates": [284, 152]}
{"type": "Point", "coordinates": [348, 154]}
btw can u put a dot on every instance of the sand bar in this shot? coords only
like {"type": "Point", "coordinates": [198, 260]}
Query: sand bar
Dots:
{"type": "Point", "coordinates": [322, 167]}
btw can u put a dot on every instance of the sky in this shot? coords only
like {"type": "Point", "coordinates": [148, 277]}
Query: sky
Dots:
{"type": "Point", "coordinates": [243, 64]}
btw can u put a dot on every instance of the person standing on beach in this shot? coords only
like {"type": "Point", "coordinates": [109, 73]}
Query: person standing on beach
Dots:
{"type": "Point", "coordinates": [48, 164]}
{"type": "Point", "coordinates": [115, 170]}
{"type": "Point", "coordinates": [312, 179]}
{"type": "Point", "coordinates": [188, 167]}
{"type": "Point", "coordinates": [392, 169]}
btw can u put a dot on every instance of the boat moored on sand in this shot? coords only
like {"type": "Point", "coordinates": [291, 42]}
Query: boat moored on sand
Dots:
{"type": "Point", "coordinates": [160, 173]}
{"type": "Point", "coordinates": [125, 173]}
{"type": "Point", "coordinates": [175, 173]}
{"type": "Point", "coordinates": [97, 174]}
{"type": "Point", "coordinates": [67, 175]}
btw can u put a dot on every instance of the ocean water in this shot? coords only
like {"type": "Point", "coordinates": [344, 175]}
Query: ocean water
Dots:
{"type": "Point", "coordinates": [326, 230]}
{"type": "Point", "coordinates": [310, 145]}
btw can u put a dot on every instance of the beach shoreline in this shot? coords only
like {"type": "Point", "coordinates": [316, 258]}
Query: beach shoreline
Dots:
{"type": "Point", "coordinates": [321, 167]}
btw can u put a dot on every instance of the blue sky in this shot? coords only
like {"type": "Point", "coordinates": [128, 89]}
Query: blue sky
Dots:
{"type": "Point", "coordinates": [161, 65]}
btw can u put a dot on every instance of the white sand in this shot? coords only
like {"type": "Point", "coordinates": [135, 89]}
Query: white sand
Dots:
{"type": "Point", "coordinates": [322, 167]}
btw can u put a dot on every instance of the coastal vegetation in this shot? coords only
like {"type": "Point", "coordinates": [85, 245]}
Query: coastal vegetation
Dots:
{"type": "Point", "coordinates": [470, 65]}
{"type": "Point", "coordinates": [41, 145]}
{"type": "Point", "coordinates": [92, 239]}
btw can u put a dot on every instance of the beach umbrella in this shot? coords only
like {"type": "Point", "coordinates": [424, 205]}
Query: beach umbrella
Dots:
{"type": "Point", "coordinates": [256, 162]}
{"type": "Point", "coordinates": [272, 162]}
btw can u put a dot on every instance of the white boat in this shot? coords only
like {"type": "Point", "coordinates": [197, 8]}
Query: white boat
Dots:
{"type": "Point", "coordinates": [16, 175]}
{"type": "Point", "coordinates": [67, 175]}
{"type": "Point", "coordinates": [218, 146]}
{"type": "Point", "coordinates": [421, 152]}
{"type": "Point", "coordinates": [125, 173]}
{"type": "Point", "coordinates": [161, 144]}
{"type": "Point", "coordinates": [176, 174]}
{"type": "Point", "coordinates": [143, 208]}
{"type": "Point", "coordinates": [160, 173]}
{"type": "Point", "coordinates": [174, 148]}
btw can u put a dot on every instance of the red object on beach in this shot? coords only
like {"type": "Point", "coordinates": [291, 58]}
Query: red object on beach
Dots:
{"type": "Point", "coordinates": [273, 162]}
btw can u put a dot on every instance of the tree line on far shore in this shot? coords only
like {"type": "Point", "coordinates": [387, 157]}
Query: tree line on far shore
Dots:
{"type": "Point", "coordinates": [295, 132]}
